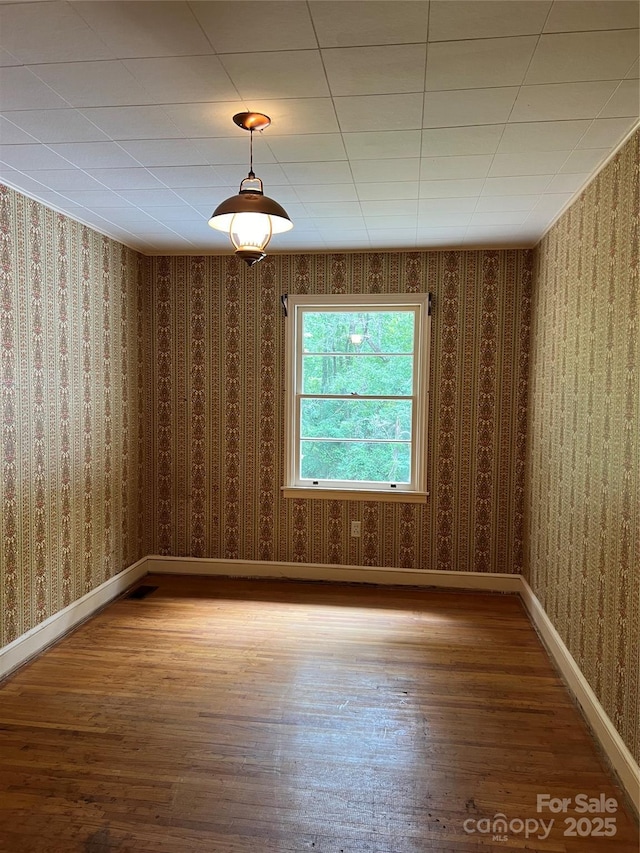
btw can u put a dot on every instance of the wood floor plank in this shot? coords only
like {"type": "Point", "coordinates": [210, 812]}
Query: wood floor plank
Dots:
{"type": "Point", "coordinates": [241, 716]}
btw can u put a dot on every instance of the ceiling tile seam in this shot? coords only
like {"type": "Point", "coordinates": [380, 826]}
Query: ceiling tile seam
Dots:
{"type": "Point", "coordinates": [507, 122]}
{"type": "Point", "coordinates": [201, 28]}
{"type": "Point", "coordinates": [78, 12]}
{"type": "Point", "coordinates": [539, 33]}
{"type": "Point", "coordinates": [424, 81]}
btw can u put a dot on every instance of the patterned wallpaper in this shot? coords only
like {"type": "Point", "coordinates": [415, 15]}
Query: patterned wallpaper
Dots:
{"type": "Point", "coordinates": [583, 559]}
{"type": "Point", "coordinates": [219, 412]}
{"type": "Point", "coordinates": [74, 408]}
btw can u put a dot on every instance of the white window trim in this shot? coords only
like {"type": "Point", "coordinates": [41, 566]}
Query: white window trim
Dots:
{"type": "Point", "coordinates": [420, 302]}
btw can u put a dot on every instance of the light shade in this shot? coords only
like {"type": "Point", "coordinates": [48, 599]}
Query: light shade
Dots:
{"type": "Point", "coordinates": [250, 218]}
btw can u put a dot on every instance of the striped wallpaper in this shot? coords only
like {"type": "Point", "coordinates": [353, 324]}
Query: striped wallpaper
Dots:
{"type": "Point", "coordinates": [583, 557]}
{"type": "Point", "coordinates": [74, 370]}
{"type": "Point", "coordinates": [219, 412]}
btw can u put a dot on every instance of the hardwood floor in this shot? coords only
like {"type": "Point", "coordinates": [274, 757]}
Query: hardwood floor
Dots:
{"type": "Point", "coordinates": [273, 717]}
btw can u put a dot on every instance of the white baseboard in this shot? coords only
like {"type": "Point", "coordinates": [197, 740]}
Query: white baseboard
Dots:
{"type": "Point", "coordinates": [327, 572]}
{"type": "Point", "coordinates": [614, 747]}
{"type": "Point", "coordinates": [37, 639]}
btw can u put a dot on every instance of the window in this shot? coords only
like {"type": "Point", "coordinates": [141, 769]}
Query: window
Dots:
{"type": "Point", "coordinates": [357, 396]}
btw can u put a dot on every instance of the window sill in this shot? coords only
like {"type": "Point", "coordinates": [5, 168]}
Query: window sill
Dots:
{"type": "Point", "coordinates": [355, 495]}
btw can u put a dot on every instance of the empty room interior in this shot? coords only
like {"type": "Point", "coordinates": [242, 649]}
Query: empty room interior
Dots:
{"type": "Point", "coordinates": [320, 398]}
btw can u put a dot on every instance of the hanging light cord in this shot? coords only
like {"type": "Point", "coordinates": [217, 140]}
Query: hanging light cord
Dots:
{"type": "Point", "coordinates": [251, 172]}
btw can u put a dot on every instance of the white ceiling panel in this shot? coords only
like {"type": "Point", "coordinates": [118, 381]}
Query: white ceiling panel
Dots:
{"type": "Point", "coordinates": [468, 107]}
{"type": "Point", "coordinates": [479, 63]}
{"type": "Point", "coordinates": [183, 79]}
{"type": "Point", "coordinates": [394, 123]}
{"type": "Point", "coordinates": [342, 23]}
{"type": "Point", "coordinates": [135, 29]}
{"type": "Point", "coordinates": [57, 125]}
{"type": "Point", "coordinates": [451, 20]}
{"type": "Point", "coordinates": [556, 101]}
{"type": "Point", "coordinates": [605, 55]}
{"type": "Point", "coordinates": [389, 69]}
{"type": "Point", "coordinates": [379, 112]}
{"type": "Point", "coordinates": [92, 84]}
{"type": "Point", "coordinates": [569, 15]}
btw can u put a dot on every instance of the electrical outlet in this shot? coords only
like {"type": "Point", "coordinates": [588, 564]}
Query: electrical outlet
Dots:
{"type": "Point", "coordinates": [355, 529]}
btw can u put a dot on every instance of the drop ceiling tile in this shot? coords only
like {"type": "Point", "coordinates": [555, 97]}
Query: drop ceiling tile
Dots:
{"type": "Point", "coordinates": [22, 182]}
{"type": "Point", "coordinates": [379, 112]}
{"type": "Point", "coordinates": [231, 151]}
{"type": "Point", "coordinates": [178, 213]}
{"type": "Point", "coordinates": [529, 185]}
{"type": "Point", "coordinates": [567, 183]}
{"type": "Point", "coordinates": [441, 237]}
{"type": "Point", "coordinates": [57, 125]}
{"type": "Point", "coordinates": [150, 122]}
{"type": "Point", "coordinates": [461, 204]}
{"type": "Point", "coordinates": [49, 32]}
{"type": "Point", "coordinates": [208, 120]}
{"type": "Point", "coordinates": [388, 190]}
{"type": "Point", "coordinates": [320, 192]}
{"type": "Point", "coordinates": [502, 217]}
{"type": "Point", "coordinates": [340, 223]}
{"type": "Point", "coordinates": [393, 238]}
{"type": "Point", "coordinates": [606, 132]}
{"type": "Point", "coordinates": [205, 198]}
{"type": "Point", "coordinates": [245, 27]}
{"type": "Point", "coordinates": [448, 141]}
{"type": "Point", "coordinates": [342, 23]}
{"type": "Point", "coordinates": [507, 202]}
{"type": "Point", "coordinates": [31, 156]}
{"type": "Point", "coordinates": [551, 203]}
{"type": "Point", "coordinates": [445, 189]}
{"type": "Point", "coordinates": [187, 176]}
{"type": "Point", "coordinates": [318, 173]}
{"type": "Point", "coordinates": [383, 144]}
{"type": "Point", "coordinates": [380, 223]}
{"type": "Point", "coordinates": [394, 207]}
{"type": "Point", "coordinates": [95, 198]}
{"type": "Point", "coordinates": [10, 134]}
{"type": "Point", "coordinates": [65, 179]}
{"type": "Point", "coordinates": [388, 69]}
{"type": "Point", "coordinates": [165, 152]}
{"type": "Point", "coordinates": [471, 166]}
{"type": "Point", "coordinates": [490, 235]}
{"type": "Point", "coordinates": [567, 15]}
{"type": "Point", "coordinates": [557, 101]}
{"type": "Point", "coordinates": [529, 163]}
{"type": "Point", "coordinates": [93, 84]}
{"type": "Point", "coordinates": [324, 209]}
{"type": "Point", "coordinates": [150, 198]}
{"type": "Point", "coordinates": [365, 171]}
{"type": "Point", "coordinates": [624, 102]}
{"type": "Point", "coordinates": [183, 79]}
{"type": "Point", "coordinates": [143, 29]}
{"type": "Point", "coordinates": [564, 57]}
{"type": "Point", "coordinates": [22, 90]}
{"type": "Point", "coordinates": [585, 160]}
{"type": "Point", "coordinates": [443, 219]}
{"type": "Point", "coordinates": [468, 19]}
{"type": "Point", "coordinates": [307, 147]}
{"type": "Point", "coordinates": [97, 155]}
{"type": "Point", "coordinates": [125, 179]}
{"type": "Point", "coordinates": [7, 58]}
{"type": "Point", "coordinates": [288, 74]}
{"type": "Point", "coordinates": [522, 137]}
{"type": "Point", "coordinates": [468, 107]}
{"type": "Point", "coordinates": [634, 70]}
{"type": "Point", "coordinates": [478, 63]}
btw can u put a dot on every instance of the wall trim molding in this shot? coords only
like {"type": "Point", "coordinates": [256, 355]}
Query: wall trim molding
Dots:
{"type": "Point", "coordinates": [37, 639]}
{"type": "Point", "coordinates": [55, 627]}
{"type": "Point", "coordinates": [599, 721]}
{"type": "Point", "coordinates": [213, 566]}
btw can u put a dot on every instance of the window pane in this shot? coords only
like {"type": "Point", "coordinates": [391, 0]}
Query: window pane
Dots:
{"type": "Point", "coordinates": [361, 374]}
{"type": "Point", "coordinates": [358, 331]}
{"type": "Point", "coordinates": [357, 461]}
{"type": "Point", "coordinates": [390, 419]}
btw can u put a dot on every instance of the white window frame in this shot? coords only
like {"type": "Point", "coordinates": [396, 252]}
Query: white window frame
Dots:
{"type": "Point", "coordinates": [295, 486]}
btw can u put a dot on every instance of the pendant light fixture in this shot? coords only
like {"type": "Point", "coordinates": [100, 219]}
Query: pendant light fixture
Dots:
{"type": "Point", "coordinates": [251, 217]}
